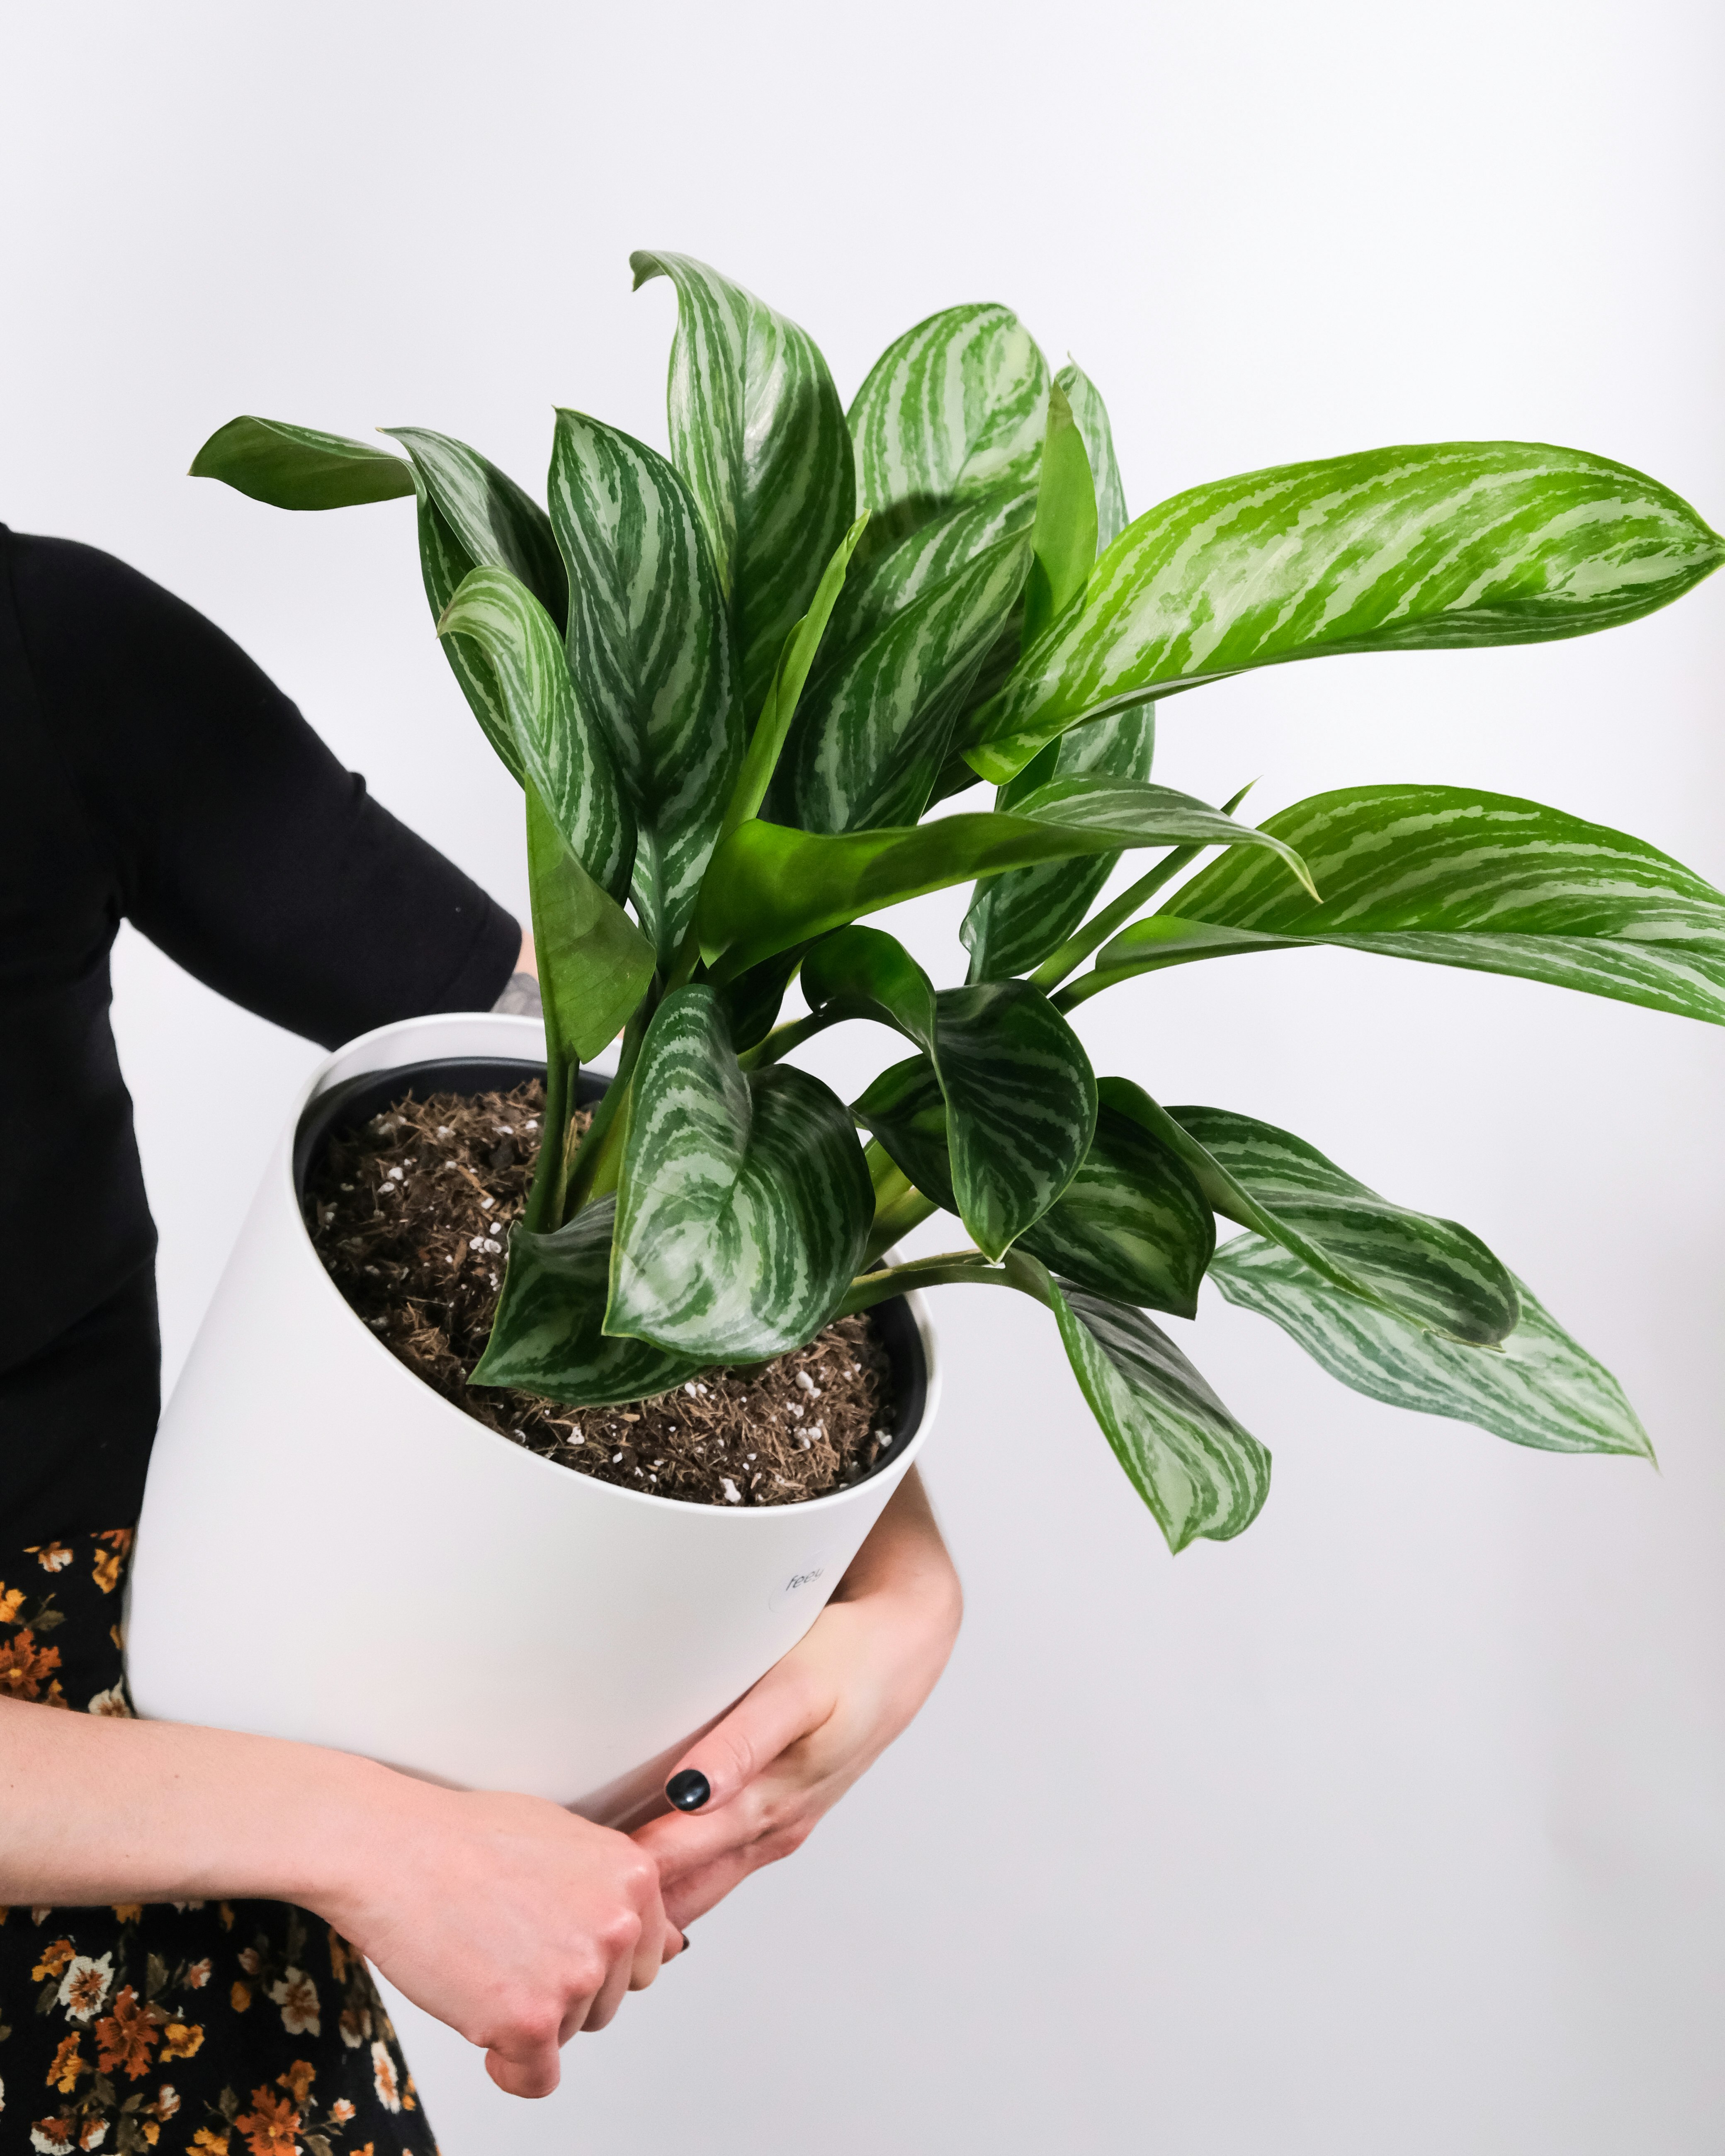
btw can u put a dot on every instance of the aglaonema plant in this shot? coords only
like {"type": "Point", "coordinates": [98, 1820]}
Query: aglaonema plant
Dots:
{"type": "Point", "coordinates": [733, 684]}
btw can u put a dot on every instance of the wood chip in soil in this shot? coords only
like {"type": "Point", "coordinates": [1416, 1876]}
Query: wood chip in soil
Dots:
{"type": "Point", "coordinates": [411, 1214]}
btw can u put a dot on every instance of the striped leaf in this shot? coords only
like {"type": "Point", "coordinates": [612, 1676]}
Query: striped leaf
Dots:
{"type": "Point", "coordinates": [299, 468]}
{"type": "Point", "coordinates": [1200, 1473]}
{"type": "Point", "coordinates": [1542, 1388]}
{"type": "Point", "coordinates": [547, 1338]}
{"type": "Point", "coordinates": [1132, 1224]}
{"type": "Point", "coordinates": [563, 753]}
{"type": "Point", "coordinates": [594, 964]}
{"type": "Point", "coordinates": [770, 886]}
{"type": "Point", "coordinates": [1063, 534]}
{"type": "Point", "coordinates": [1017, 1090]}
{"type": "Point", "coordinates": [650, 653]}
{"type": "Point", "coordinates": [1456, 878]}
{"type": "Point", "coordinates": [1016, 919]}
{"type": "Point", "coordinates": [745, 1201]}
{"type": "Point", "coordinates": [1090, 416]}
{"type": "Point", "coordinates": [1431, 1272]}
{"type": "Point", "coordinates": [757, 430]}
{"type": "Point", "coordinates": [875, 727]}
{"type": "Point", "coordinates": [953, 409]}
{"type": "Point", "coordinates": [496, 524]}
{"type": "Point", "coordinates": [1428, 548]}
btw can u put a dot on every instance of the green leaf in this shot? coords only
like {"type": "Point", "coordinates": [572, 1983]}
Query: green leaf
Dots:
{"type": "Point", "coordinates": [1017, 1090]}
{"type": "Point", "coordinates": [953, 409]}
{"type": "Point", "coordinates": [563, 754]}
{"type": "Point", "coordinates": [594, 964]}
{"type": "Point", "coordinates": [876, 727]}
{"type": "Point", "coordinates": [1016, 919]}
{"type": "Point", "coordinates": [494, 523]}
{"type": "Point", "coordinates": [770, 886]}
{"type": "Point", "coordinates": [753, 999]}
{"type": "Point", "coordinates": [1433, 546]}
{"type": "Point", "coordinates": [745, 1201]}
{"type": "Point", "coordinates": [1429, 1271]}
{"type": "Point", "coordinates": [1543, 1389]}
{"type": "Point", "coordinates": [299, 468]}
{"type": "Point", "coordinates": [649, 651]}
{"type": "Point", "coordinates": [547, 1338]}
{"type": "Point", "coordinates": [757, 430]}
{"type": "Point", "coordinates": [1200, 1473]}
{"type": "Point", "coordinates": [1132, 1224]}
{"type": "Point", "coordinates": [1090, 416]}
{"type": "Point", "coordinates": [1063, 537]}
{"type": "Point", "coordinates": [1455, 878]}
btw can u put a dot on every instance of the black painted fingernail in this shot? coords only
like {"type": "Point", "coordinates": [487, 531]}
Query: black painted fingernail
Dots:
{"type": "Point", "coordinates": [686, 1942]}
{"type": "Point", "coordinates": [689, 1790]}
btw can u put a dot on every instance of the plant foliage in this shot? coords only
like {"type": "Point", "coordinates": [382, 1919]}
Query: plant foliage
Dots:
{"type": "Point", "coordinates": [732, 684]}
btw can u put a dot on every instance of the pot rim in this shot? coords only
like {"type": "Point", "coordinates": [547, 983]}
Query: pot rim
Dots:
{"type": "Point", "coordinates": [529, 1035]}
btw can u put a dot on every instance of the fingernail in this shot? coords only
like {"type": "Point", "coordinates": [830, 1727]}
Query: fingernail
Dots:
{"type": "Point", "coordinates": [686, 1942]}
{"type": "Point", "coordinates": [689, 1790]}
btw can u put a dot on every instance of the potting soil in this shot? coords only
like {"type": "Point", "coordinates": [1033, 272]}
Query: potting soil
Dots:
{"type": "Point", "coordinates": [411, 1214]}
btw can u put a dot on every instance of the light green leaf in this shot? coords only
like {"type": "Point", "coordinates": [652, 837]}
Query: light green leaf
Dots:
{"type": "Point", "coordinates": [1542, 1388]}
{"type": "Point", "coordinates": [1063, 536]}
{"type": "Point", "coordinates": [745, 1201]}
{"type": "Point", "coordinates": [770, 886]}
{"type": "Point", "coordinates": [1433, 546]}
{"type": "Point", "coordinates": [547, 1338]}
{"type": "Point", "coordinates": [1017, 1086]}
{"type": "Point", "coordinates": [1016, 919]}
{"type": "Point", "coordinates": [757, 430]}
{"type": "Point", "coordinates": [1429, 1271]}
{"type": "Point", "coordinates": [1090, 416]}
{"type": "Point", "coordinates": [649, 651]}
{"type": "Point", "coordinates": [1132, 1224]}
{"type": "Point", "coordinates": [1455, 878]}
{"type": "Point", "coordinates": [1200, 1473]}
{"type": "Point", "coordinates": [563, 754]}
{"type": "Point", "coordinates": [299, 468]}
{"type": "Point", "coordinates": [594, 964]}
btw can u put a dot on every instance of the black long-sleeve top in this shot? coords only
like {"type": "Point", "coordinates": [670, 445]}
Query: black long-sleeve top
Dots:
{"type": "Point", "coordinates": [150, 772]}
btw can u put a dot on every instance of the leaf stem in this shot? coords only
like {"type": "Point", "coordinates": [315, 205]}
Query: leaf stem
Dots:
{"type": "Point", "coordinates": [545, 1200]}
{"type": "Point", "coordinates": [899, 1205]}
{"type": "Point", "coordinates": [592, 1170]}
{"type": "Point", "coordinates": [953, 1268]}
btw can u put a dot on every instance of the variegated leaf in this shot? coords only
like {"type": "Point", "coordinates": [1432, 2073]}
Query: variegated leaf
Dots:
{"type": "Point", "coordinates": [1132, 1224]}
{"type": "Point", "coordinates": [1540, 1388]}
{"type": "Point", "coordinates": [1016, 919]}
{"type": "Point", "coordinates": [1430, 1271]}
{"type": "Point", "coordinates": [875, 727]}
{"type": "Point", "coordinates": [1197, 1470]}
{"type": "Point", "coordinates": [496, 524]}
{"type": "Point", "coordinates": [298, 467]}
{"type": "Point", "coordinates": [1091, 415]}
{"type": "Point", "coordinates": [649, 651]}
{"type": "Point", "coordinates": [1455, 878]}
{"type": "Point", "coordinates": [1019, 1090]}
{"type": "Point", "coordinates": [563, 753]}
{"type": "Point", "coordinates": [770, 886]}
{"type": "Point", "coordinates": [757, 430]}
{"type": "Point", "coordinates": [953, 409]}
{"type": "Point", "coordinates": [547, 1338]}
{"type": "Point", "coordinates": [745, 1201]}
{"type": "Point", "coordinates": [1433, 546]}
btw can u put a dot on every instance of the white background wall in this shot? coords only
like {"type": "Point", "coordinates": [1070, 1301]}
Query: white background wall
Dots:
{"type": "Point", "coordinates": [1397, 1825]}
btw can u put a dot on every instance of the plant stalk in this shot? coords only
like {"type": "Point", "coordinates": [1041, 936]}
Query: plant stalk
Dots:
{"type": "Point", "coordinates": [951, 1269]}
{"type": "Point", "coordinates": [544, 1199]}
{"type": "Point", "coordinates": [591, 1165]}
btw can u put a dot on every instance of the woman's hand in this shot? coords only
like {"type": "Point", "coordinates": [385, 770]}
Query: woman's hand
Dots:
{"type": "Point", "coordinates": [793, 1745]}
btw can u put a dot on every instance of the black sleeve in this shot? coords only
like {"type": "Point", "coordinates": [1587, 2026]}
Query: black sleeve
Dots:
{"type": "Point", "coordinates": [241, 846]}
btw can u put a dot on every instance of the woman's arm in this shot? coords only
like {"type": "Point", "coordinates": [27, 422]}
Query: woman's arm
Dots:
{"type": "Point", "coordinates": [792, 1746]}
{"type": "Point", "coordinates": [506, 1917]}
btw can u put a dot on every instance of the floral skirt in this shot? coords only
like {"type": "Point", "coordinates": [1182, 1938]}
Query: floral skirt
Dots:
{"type": "Point", "coordinates": [244, 2027]}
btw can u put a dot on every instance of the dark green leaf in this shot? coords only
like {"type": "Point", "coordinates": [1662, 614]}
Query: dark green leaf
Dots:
{"type": "Point", "coordinates": [1433, 546]}
{"type": "Point", "coordinates": [594, 964]}
{"type": "Point", "coordinates": [1542, 1388]}
{"type": "Point", "coordinates": [771, 886]}
{"type": "Point", "coordinates": [299, 468]}
{"type": "Point", "coordinates": [1132, 1224]}
{"type": "Point", "coordinates": [1455, 878]}
{"type": "Point", "coordinates": [746, 1202]}
{"type": "Point", "coordinates": [547, 1336]}
{"type": "Point", "coordinates": [563, 753]}
{"type": "Point", "coordinates": [649, 651]}
{"type": "Point", "coordinates": [1200, 1472]}
{"type": "Point", "coordinates": [1063, 536]}
{"type": "Point", "coordinates": [496, 524]}
{"type": "Point", "coordinates": [757, 430]}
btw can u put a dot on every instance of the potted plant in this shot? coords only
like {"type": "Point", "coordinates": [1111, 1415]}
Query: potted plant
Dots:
{"type": "Point", "coordinates": [733, 684]}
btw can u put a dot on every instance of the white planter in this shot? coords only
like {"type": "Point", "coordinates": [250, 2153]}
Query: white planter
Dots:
{"type": "Point", "coordinates": [329, 1551]}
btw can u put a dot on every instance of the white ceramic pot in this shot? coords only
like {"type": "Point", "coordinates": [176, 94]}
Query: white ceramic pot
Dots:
{"type": "Point", "coordinates": [329, 1551]}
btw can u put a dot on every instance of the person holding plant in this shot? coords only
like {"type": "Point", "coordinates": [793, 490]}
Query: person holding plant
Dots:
{"type": "Point", "coordinates": [185, 1914]}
